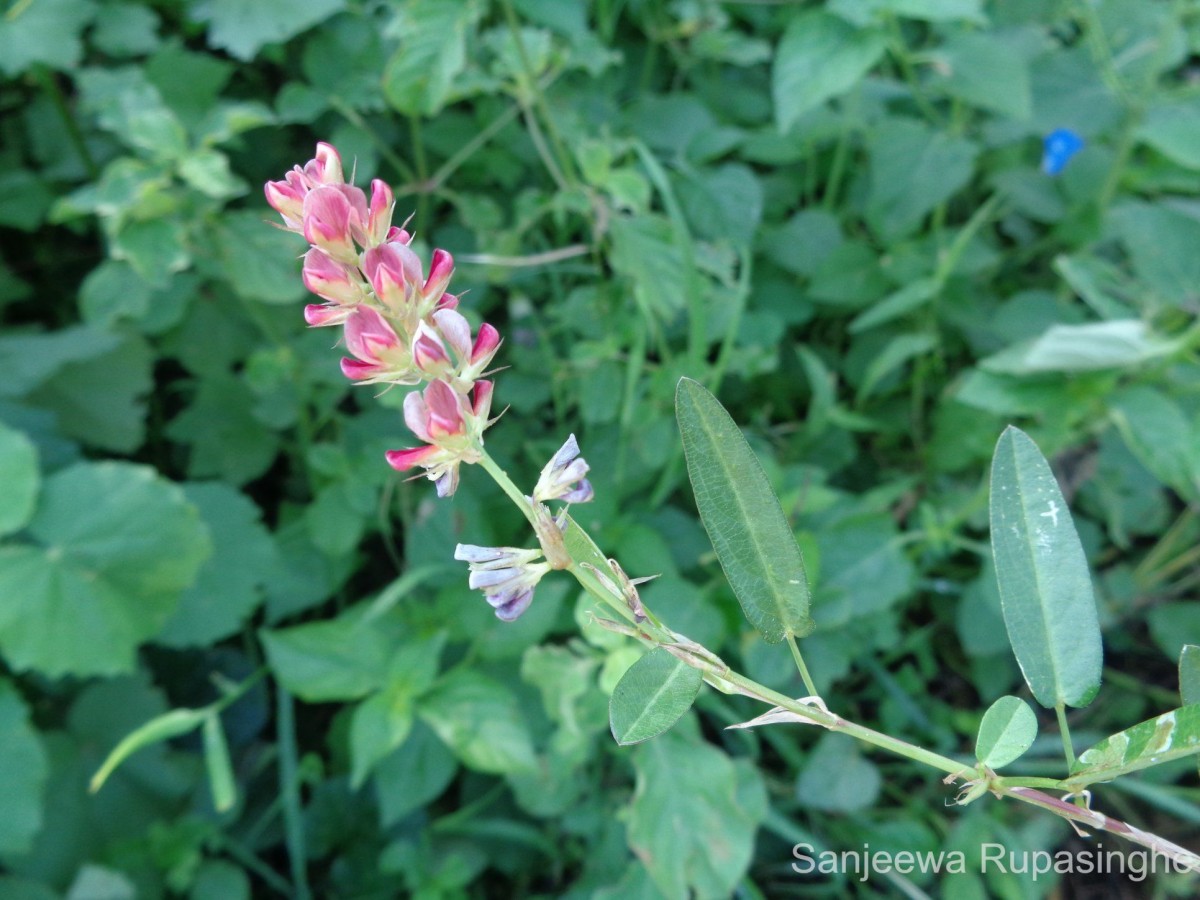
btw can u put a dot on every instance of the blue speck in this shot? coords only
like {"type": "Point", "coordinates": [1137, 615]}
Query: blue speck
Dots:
{"type": "Point", "coordinates": [1058, 148]}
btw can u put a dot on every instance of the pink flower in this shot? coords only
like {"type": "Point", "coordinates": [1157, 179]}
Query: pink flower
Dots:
{"type": "Point", "coordinates": [332, 214]}
{"type": "Point", "coordinates": [451, 428]}
{"type": "Point", "coordinates": [331, 280]}
{"type": "Point", "coordinates": [394, 270]}
{"type": "Point", "coordinates": [450, 333]}
{"type": "Point", "coordinates": [379, 214]}
{"type": "Point", "coordinates": [396, 275]}
{"type": "Point", "coordinates": [381, 355]}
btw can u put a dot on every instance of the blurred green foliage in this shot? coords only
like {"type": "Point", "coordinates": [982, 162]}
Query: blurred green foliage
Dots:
{"type": "Point", "coordinates": [832, 214]}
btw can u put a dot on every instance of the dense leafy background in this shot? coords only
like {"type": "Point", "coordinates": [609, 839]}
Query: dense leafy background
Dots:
{"type": "Point", "coordinates": [831, 214]}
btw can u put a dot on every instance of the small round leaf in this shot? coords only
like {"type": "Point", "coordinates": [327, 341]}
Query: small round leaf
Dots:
{"type": "Point", "coordinates": [1006, 732]}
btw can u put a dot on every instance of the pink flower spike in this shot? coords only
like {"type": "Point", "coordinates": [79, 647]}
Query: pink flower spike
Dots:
{"type": "Point", "coordinates": [328, 217]}
{"type": "Point", "coordinates": [379, 216]}
{"type": "Point", "coordinates": [331, 280]}
{"type": "Point", "coordinates": [445, 413]}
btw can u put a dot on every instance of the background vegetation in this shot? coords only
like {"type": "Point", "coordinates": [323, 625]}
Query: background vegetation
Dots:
{"type": "Point", "coordinates": [832, 214]}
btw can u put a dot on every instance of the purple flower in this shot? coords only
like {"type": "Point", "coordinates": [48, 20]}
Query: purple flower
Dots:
{"type": "Point", "coordinates": [506, 575]}
{"type": "Point", "coordinates": [1058, 147]}
{"type": "Point", "coordinates": [562, 478]}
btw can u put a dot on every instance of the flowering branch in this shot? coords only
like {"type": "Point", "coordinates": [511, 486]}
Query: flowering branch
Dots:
{"type": "Point", "coordinates": [401, 327]}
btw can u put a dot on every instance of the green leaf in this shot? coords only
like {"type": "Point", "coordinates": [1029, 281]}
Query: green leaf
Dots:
{"type": "Point", "coordinates": [45, 32]}
{"type": "Point", "coordinates": [244, 26]}
{"type": "Point", "coordinates": [1161, 242]}
{"type": "Point", "coordinates": [1173, 129]}
{"type": "Point", "coordinates": [101, 401]}
{"type": "Point", "coordinates": [378, 726]}
{"type": "Point", "coordinates": [651, 696]}
{"type": "Point", "coordinates": [115, 545]}
{"type": "Point", "coordinates": [986, 70]}
{"type": "Point", "coordinates": [749, 531]}
{"type": "Point", "coordinates": [412, 775]}
{"type": "Point", "coordinates": [913, 168]}
{"type": "Point", "coordinates": [836, 777]}
{"type": "Point", "coordinates": [229, 586]}
{"type": "Point", "coordinates": [694, 815]}
{"type": "Point", "coordinates": [912, 296]}
{"type": "Point", "coordinates": [27, 360]}
{"type": "Point", "coordinates": [819, 57]}
{"type": "Point", "coordinates": [259, 261]}
{"type": "Point", "coordinates": [1092, 346]}
{"type": "Point", "coordinates": [161, 728]}
{"type": "Point", "coordinates": [1159, 433]}
{"type": "Point", "coordinates": [23, 775]}
{"type": "Point", "coordinates": [1042, 574]}
{"type": "Point", "coordinates": [1008, 729]}
{"type": "Point", "coordinates": [480, 720]}
{"type": "Point", "coordinates": [227, 441]}
{"type": "Point", "coordinates": [19, 479]}
{"type": "Point", "coordinates": [1168, 737]}
{"type": "Point", "coordinates": [649, 249]}
{"type": "Point", "coordinates": [1189, 674]}
{"type": "Point", "coordinates": [218, 765]}
{"type": "Point", "coordinates": [420, 77]}
{"type": "Point", "coordinates": [339, 659]}
{"type": "Point", "coordinates": [864, 11]}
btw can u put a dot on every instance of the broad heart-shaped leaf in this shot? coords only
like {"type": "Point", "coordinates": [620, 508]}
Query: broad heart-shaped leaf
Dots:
{"type": "Point", "coordinates": [1045, 587]}
{"type": "Point", "coordinates": [651, 696]}
{"type": "Point", "coordinates": [820, 56]}
{"type": "Point", "coordinates": [1006, 732]}
{"type": "Point", "coordinates": [748, 529]}
{"type": "Point", "coordinates": [1170, 736]}
{"type": "Point", "coordinates": [115, 545]}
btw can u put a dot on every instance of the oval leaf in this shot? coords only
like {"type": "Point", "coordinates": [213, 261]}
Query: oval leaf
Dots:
{"type": "Point", "coordinates": [1006, 732]}
{"type": "Point", "coordinates": [749, 531]}
{"type": "Point", "coordinates": [651, 696]}
{"type": "Point", "coordinates": [1159, 740]}
{"type": "Point", "coordinates": [1045, 587]}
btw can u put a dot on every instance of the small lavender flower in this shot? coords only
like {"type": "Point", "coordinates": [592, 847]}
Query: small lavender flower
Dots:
{"type": "Point", "coordinates": [562, 478]}
{"type": "Point", "coordinates": [506, 575]}
{"type": "Point", "coordinates": [1058, 147]}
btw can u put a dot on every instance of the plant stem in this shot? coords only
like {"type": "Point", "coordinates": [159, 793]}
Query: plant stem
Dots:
{"type": "Point", "coordinates": [1065, 730]}
{"type": "Point", "coordinates": [289, 791]}
{"type": "Point", "coordinates": [808, 682]}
